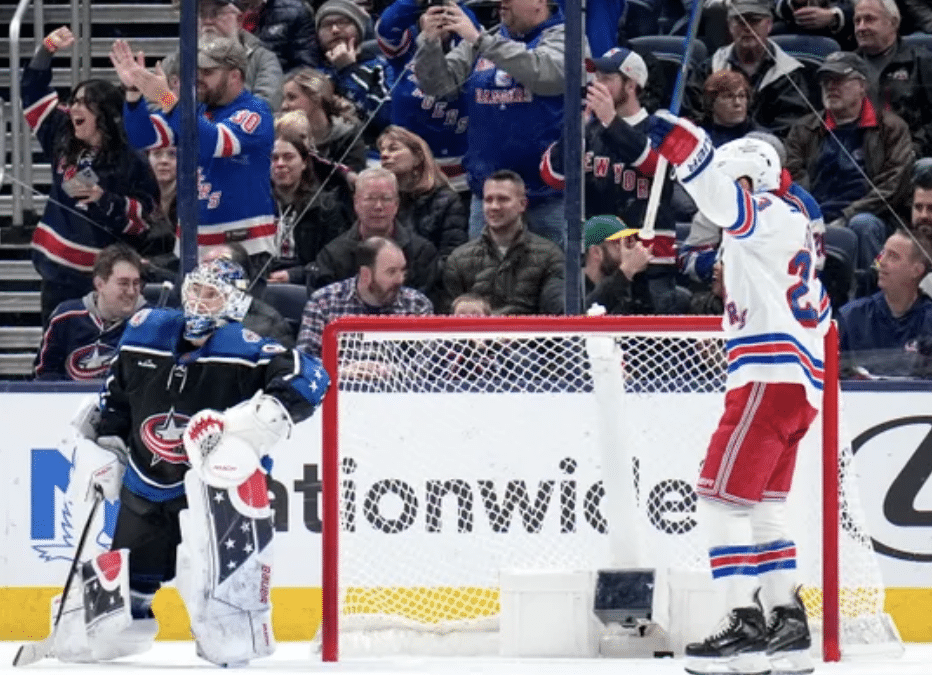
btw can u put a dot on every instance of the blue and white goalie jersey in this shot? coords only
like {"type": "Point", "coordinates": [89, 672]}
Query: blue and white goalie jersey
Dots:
{"type": "Point", "coordinates": [776, 309]}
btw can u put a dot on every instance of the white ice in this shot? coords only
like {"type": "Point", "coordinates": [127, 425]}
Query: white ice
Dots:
{"type": "Point", "coordinates": [296, 657]}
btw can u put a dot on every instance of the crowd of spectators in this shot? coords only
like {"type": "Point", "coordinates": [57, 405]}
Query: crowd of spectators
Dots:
{"type": "Point", "coordinates": [407, 156]}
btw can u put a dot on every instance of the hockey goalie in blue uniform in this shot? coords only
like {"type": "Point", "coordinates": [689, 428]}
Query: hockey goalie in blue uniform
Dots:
{"type": "Point", "coordinates": [184, 435]}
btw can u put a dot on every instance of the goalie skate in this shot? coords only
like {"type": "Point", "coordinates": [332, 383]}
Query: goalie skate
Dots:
{"type": "Point", "coordinates": [737, 648]}
{"type": "Point", "coordinates": [788, 639]}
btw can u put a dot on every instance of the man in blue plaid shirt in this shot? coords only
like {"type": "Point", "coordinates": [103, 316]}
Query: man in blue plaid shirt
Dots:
{"type": "Point", "coordinates": [376, 289]}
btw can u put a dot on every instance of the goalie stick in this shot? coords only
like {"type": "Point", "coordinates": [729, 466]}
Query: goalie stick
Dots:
{"type": "Point", "coordinates": [31, 652]}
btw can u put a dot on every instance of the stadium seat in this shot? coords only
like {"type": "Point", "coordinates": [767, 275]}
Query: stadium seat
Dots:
{"type": "Point", "coordinates": [152, 291]}
{"type": "Point", "coordinates": [811, 50]}
{"type": "Point", "coordinates": [919, 40]}
{"type": "Point", "coordinates": [669, 50]}
{"type": "Point", "coordinates": [841, 251]}
{"type": "Point", "coordinates": [289, 301]}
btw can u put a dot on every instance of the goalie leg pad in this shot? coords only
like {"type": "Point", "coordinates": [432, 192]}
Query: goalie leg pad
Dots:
{"type": "Point", "coordinates": [225, 569]}
{"type": "Point", "coordinates": [97, 610]}
{"type": "Point", "coordinates": [71, 643]}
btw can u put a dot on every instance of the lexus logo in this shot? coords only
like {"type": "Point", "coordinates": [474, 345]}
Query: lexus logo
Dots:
{"type": "Point", "coordinates": [905, 466]}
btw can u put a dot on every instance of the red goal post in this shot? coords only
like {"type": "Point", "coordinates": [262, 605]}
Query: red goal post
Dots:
{"type": "Point", "coordinates": [431, 373]}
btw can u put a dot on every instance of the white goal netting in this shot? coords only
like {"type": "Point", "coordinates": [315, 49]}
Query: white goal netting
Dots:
{"type": "Point", "coordinates": [496, 445]}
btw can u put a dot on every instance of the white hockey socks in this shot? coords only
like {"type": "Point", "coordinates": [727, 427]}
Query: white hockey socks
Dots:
{"type": "Point", "coordinates": [776, 555]}
{"type": "Point", "coordinates": [728, 533]}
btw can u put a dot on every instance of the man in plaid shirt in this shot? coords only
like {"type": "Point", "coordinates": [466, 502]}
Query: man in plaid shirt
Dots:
{"type": "Point", "coordinates": [376, 289]}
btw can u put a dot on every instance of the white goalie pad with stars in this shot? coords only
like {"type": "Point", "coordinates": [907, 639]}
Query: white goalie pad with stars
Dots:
{"type": "Point", "coordinates": [97, 611]}
{"type": "Point", "coordinates": [224, 571]}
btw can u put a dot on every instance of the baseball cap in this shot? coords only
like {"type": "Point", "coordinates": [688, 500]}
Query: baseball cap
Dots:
{"type": "Point", "coordinates": [750, 7]}
{"type": "Point", "coordinates": [844, 63]}
{"type": "Point", "coordinates": [605, 228]}
{"type": "Point", "coordinates": [620, 60]}
{"type": "Point", "coordinates": [221, 52]}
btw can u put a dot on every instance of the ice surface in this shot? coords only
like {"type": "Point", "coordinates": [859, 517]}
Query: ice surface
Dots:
{"type": "Point", "coordinates": [173, 657]}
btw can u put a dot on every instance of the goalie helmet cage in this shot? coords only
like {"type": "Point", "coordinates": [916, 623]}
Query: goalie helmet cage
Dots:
{"type": "Point", "coordinates": [427, 409]}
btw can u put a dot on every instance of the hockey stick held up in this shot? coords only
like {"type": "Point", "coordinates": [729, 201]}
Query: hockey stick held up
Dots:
{"type": "Point", "coordinates": [660, 173]}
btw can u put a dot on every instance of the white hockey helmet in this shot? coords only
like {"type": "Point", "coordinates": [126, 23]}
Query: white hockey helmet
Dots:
{"type": "Point", "coordinates": [212, 294]}
{"type": "Point", "coordinates": [751, 158]}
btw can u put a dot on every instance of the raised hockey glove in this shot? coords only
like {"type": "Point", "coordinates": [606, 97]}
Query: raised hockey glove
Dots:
{"type": "Point", "coordinates": [226, 448]}
{"type": "Point", "coordinates": [680, 142]}
{"type": "Point", "coordinates": [262, 421]}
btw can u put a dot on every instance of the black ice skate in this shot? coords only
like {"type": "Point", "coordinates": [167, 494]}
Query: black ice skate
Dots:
{"type": "Point", "coordinates": [739, 647]}
{"type": "Point", "coordinates": [788, 639]}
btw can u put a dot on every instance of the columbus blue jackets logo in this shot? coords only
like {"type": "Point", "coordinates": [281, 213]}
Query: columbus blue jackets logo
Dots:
{"type": "Point", "coordinates": [161, 434]}
{"type": "Point", "coordinates": [139, 317]}
{"type": "Point", "coordinates": [90, 362]}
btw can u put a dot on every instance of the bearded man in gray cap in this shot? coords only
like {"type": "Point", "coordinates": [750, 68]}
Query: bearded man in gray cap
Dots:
{"type": "Point", "coordinates": [235, 135]}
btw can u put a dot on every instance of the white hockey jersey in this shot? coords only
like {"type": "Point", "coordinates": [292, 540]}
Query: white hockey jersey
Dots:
{"type": "Point", "coordinates": [776, 309]}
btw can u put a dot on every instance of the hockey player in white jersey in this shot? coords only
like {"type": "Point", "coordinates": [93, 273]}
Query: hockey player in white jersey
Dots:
{"type": "Point", "coordinates": [776, 315]}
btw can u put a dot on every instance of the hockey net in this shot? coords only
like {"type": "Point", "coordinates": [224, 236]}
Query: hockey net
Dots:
{"type": "Point", "coordinates": [458, 448]}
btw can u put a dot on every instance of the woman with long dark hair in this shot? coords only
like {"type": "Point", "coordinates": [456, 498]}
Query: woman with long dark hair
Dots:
{"type": "Point", "coordinates": [313, 201]}
{"type": "Point", "coordinates": [102, 189]}
{"type": "Point", "coordinates": [428, 203]}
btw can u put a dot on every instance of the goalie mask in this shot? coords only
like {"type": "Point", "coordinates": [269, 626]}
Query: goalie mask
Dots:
{"type": "Point", "coordinates": [751, 158]}
{"type": "Point", "coordinates": [213, 293]}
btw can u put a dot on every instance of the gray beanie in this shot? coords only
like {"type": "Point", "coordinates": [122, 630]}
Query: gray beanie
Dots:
{"type": "Point", "coordinates": [346, 8]}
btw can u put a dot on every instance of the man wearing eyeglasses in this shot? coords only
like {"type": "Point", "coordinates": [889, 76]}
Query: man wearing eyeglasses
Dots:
{"type": "Point", "coordinates": [359, 75]}
{"type": "Point", "coordinates": [780, 91]}
{"type": "Point", "coordinates": [375, 202]}
{"type": "Point", "coordinates": [853, 157]}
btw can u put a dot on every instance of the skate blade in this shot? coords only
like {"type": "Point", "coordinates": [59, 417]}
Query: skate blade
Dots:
{"type": "Point", "coordinates": [739, 664]}
{"type": "Point", "coordinates": [791, 663]}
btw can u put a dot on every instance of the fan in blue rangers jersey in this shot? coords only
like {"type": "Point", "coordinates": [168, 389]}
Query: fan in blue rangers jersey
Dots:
{"type": "Point", "coordinates": [235, 135]}
{"type": "Point", "coordinates": [102, 190]}
{"type": "Point", "coordinates": [776, 317]}
{"type": "Point", "coordinates": [82, 336]}
{"type": "Point", "coordinates": [188, 419]}
{"type": "Point", "coordinates": [440, 120]}
{"type": "Point", "coordinates": [513, 76]}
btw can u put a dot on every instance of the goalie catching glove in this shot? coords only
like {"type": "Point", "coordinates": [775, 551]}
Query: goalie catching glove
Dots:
{"type": "Point", "coordinates": [226, 448]}
{"type": "Point", "coordinates": [680, 142]}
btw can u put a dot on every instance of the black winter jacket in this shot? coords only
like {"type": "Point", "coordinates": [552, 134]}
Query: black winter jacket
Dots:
{"type": "Point", "coordinates": [337, 260]}
{"type": "Point", "coordinates": [287, 28]}
{"type": "Point", "coordinates": [439, 216]}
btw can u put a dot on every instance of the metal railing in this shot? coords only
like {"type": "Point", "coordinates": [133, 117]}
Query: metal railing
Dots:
{"type": "Point", "coordinates": [78, 15]}
{"type": "Point", "coordinates": [20, 169]}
